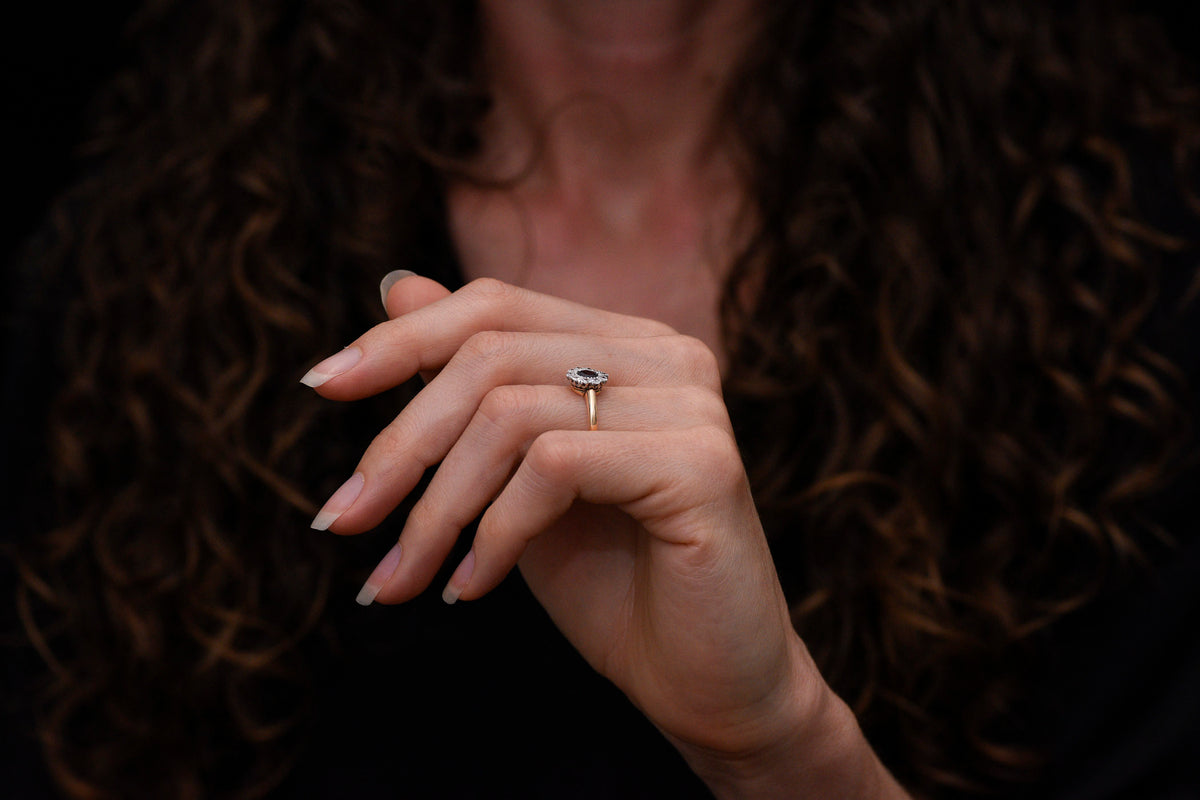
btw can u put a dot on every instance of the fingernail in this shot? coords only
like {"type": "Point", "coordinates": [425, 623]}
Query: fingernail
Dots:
{"type": "Point", "coordinates": [458, 581]}
{"type": "Point", "coordinates": [379, 576]}
{"type": "Point", "coordinates": [331, 367]}
{"type": "Point", "coordinates": [338, 502]}
{"type": "Point", "coordinates": [390, 280]}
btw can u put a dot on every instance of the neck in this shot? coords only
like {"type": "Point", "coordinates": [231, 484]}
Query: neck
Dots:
{"type": "Point", "coordinates": [609, 92]}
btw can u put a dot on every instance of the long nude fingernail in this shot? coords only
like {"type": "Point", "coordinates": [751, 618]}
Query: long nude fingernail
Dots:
{"type": "Point", "coordinates": [331, 367]}
{"type": "Point", "coordinates": [459, 580]}
{"type": "Point", "coordinates": [339, 502]}
{"type": "Point", "coordinates": [379, 576]}
{"type": "Point", "coordinates": [390, 280]}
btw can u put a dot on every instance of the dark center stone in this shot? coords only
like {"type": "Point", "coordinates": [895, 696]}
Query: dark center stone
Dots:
{"type": "Point", "coordinates": [588, 373]}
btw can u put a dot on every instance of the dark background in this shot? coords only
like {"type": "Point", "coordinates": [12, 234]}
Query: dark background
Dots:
{"type": "Point", "coordinates": [53, 56]}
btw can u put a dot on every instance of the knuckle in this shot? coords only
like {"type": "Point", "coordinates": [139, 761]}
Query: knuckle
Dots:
{"type": "Point", "coordinates": [486, 346]}
{"type": "Point", "coordinates": [390, 456]}
{"type": "Point", "coordinates": [654, 327]}
{"type": "Point", "coordinates": [707, 406]}
{"type": "Point", "coordinates": [503, 404]}
{"type": "Point", "coordinates": [422, 516]}
{"type": "Point", "coordinates": [489, 290]}
{"type": "Point", "coordinates": [553, 457]}
{"type": "Point", "coordinates": [699, 361]}
{"type": "Point", "coordinates": [388, 442]}
{"type": "Point", "coordinates": [716, 454]}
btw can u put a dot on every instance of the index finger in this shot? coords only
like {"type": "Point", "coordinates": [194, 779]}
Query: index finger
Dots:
{"type": "Point", "coordinates": [427, 338]}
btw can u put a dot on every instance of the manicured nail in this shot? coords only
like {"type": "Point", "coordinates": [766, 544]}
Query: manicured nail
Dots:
{"type": "Point", "coordinates": [458, 581]}
{"type": "Point", "coordinates": [338, 502]}
{"type": "Point", "coordinates": [379, 576]}
{"type": "Point", "coordinates": [331, 367]}
{"type": "Point", "coordinates": [390, 280]}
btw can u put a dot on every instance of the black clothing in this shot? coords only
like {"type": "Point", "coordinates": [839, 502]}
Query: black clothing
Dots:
{"type": "Point", "coordinates": [487, 700]}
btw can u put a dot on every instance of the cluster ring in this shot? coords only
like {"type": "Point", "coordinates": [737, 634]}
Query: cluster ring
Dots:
{"type": "Point", "coordinates": [587, 382]}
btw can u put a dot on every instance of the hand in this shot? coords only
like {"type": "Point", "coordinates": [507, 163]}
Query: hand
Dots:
{"type": "Point", "coordinates": [641, 539]}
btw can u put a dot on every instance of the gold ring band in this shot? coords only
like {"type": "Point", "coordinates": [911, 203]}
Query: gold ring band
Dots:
{"type": "Point", "coordinates": [588, 382]}
{"type": "Point", "coordinates": [590, 396]}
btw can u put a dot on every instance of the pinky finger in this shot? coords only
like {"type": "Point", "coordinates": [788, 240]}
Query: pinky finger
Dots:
{"type": "Point", "coordinates": [653, 476]}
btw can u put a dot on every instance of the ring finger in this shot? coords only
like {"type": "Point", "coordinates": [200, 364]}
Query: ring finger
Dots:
{"type": "Point", "coordinates": [423, 433]}
{"type": "Point", "coordinates": [480, 463]}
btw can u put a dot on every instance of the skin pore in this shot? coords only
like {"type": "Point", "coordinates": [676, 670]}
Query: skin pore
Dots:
{"type": "Point", "coordinates": [609, 111]}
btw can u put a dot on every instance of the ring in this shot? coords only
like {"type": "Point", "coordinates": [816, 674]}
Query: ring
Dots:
{"type": "Point", "coordinates": [587, 382]}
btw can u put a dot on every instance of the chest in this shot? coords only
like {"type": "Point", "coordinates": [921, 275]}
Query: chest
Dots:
{"type": "Point", "coordinates": [665, 262]}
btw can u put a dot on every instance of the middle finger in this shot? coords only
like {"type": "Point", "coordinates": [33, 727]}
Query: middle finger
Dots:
{"type": "Point", "coordinates": [480, 463]}
{"type": "Point", "coordinates": [423, 433]}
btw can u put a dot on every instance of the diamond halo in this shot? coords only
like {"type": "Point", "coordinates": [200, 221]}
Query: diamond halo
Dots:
{"type": "Point", "coordinates": [584, 378]}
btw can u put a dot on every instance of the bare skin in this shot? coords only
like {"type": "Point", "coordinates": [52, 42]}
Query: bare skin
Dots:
{"type": "Point", "coordinates": [633, 181]}
{"type": "Point", "coordinates": [641, 539]}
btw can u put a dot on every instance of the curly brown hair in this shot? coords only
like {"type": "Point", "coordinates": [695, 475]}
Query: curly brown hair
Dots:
{"type": "Point", "coordinates": [941, 378]}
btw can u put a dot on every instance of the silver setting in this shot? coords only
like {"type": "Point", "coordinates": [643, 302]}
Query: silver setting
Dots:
{"type": "Point", "coordinates": [585, 378]}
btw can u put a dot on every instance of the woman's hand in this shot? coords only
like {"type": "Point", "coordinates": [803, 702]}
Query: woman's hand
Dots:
{"type": "Point", "coordinates": [641, 538]}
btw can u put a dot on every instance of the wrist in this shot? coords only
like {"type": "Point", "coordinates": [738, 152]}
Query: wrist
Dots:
{"type": "Point", "coordinates": [820, 752]}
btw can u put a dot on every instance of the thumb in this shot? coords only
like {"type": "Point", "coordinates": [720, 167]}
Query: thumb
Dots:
{"type": "Point", "coordinates": [403, 291]}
